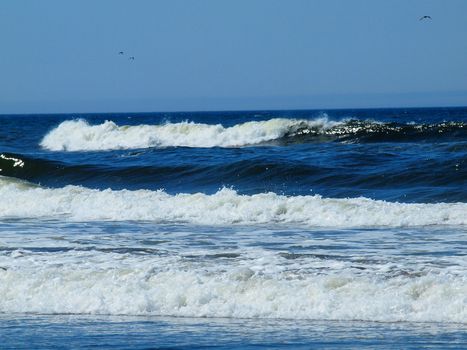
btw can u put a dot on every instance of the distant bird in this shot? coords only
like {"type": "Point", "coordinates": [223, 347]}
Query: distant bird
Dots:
{"type": "Point", "coordinates": [120, 52]}
{"type": "Point", "coordinates": [132, 58]}
{"type": "Point", "coordinates": [425, 17]}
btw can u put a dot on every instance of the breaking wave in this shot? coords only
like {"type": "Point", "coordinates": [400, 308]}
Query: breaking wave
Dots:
{"type": "Point", "coordinates": [23, 200]}
{"type": "Point", "coordinates": [154, 286]}
{"type": "Point", "coordinates": [79, 135]}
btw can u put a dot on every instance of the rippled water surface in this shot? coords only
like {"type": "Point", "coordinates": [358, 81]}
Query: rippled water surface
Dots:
{"type": "Point", "coordinates": [298, 229]}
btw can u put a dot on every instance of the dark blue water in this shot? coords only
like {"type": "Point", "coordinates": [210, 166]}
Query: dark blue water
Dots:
{"type": "Point", "coordinates": [414, 155]}
{"type": "Point", "coordinates": [322, 229]}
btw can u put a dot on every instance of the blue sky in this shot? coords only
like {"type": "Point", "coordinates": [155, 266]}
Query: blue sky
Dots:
{"type": "Point", "coordinates": [62, 55]}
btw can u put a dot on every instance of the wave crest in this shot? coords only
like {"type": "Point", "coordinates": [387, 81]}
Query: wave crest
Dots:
{"type": "Point", "coordinates": [79, 135]}
{"type": "Point", "coordinates": [222, 208]}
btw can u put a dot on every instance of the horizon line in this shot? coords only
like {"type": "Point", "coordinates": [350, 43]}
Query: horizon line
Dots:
{"type": "Point", "coordinates": [240, 110]}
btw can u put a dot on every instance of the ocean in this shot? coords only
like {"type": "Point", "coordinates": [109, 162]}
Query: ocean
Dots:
{"type": "Point", "coordinates": [234, 230]}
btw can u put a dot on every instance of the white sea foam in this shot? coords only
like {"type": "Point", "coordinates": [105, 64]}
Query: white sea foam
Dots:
{"type": "Point", "coordinates": [20, 199]}
{"type": "Point", "coordinates": [78, 135]}
{"type": "Point", "coordinates": [89, 283]}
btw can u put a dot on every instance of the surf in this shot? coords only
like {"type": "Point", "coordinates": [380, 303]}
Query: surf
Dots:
{"type": "Point", "coordinates": [79, 135]}
{"type": "Point", "coordinates": [225, 207]}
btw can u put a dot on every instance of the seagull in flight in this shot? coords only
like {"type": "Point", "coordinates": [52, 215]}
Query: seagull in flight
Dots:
{"type": "Point", "coordinates": [120, 52]}
{"type": "Point", "coordinates": [425, 17]}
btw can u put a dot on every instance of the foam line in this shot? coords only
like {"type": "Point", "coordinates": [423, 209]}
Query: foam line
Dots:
{"type": "Point", "coordinates": [164, 287]}
{"type": "Point", "coordinates": [21, 199]}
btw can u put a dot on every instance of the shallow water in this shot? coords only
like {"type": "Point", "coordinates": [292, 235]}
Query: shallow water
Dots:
{"type": "Point", "coordinates": [125, 332]}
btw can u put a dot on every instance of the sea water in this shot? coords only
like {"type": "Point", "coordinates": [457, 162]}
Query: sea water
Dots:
{"type": "Point", "coordinates": [301, 229]}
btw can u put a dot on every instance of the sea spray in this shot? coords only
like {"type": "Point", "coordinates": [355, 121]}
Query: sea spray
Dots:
{"type": "Point", "coordinates": [79, 135]}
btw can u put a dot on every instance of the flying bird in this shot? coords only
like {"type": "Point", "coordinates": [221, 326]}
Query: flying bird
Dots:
{"type": "Point", "coordinates": [120, 52]}
{"type": "Point", "coordinates": [132, 58]}
{"type": "Point", "coordinates": [425, 17]}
